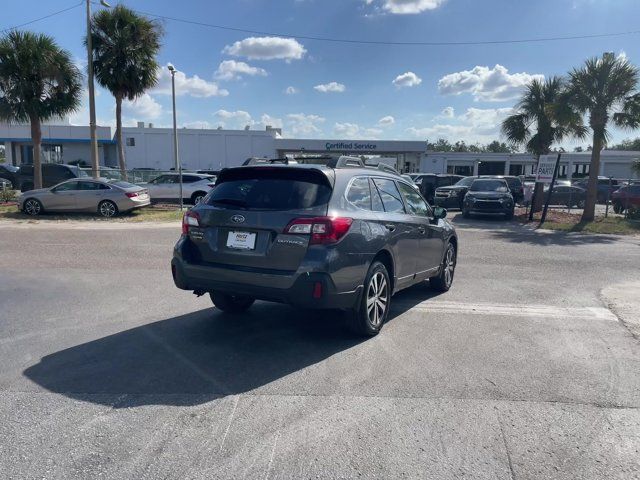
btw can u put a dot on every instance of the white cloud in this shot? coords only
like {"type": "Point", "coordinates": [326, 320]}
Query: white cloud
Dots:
{"type": "Point", "coordinates": [447, 112]}
{"type": "Point", "coordinates": [240, 119]}
{"type": "Point", "coordinates": [408, 79]}
{"type": "Point", "coordinates": [346, 129]}
{"type": "Point", "coordinates": [386, 121]}
{"type": "Point", "coordinates": [407, 7]}
{"type": "Point", "coordinates": [303, 124]}
{"type": "Point", "coordinates": [235, 119]}
{"type": "Point", "coordinates": [291, 90]}
{"type": "Point", "coordinates": [353, 130]}
{"type": "Point", "coordinates": [232, 70]}
{"type": "Point", "coordinates": [193, 86]}
{"type": "Point", "coordinates": [486, 84]}
{"type": "Point", "coordinates": [266, 48]}
{"type": "Point", "coordinates": [332, 87]}
{"type": "Point", "coordinates": [267, 119]}
{"type": "Point", "coordinates": [143, 108]}
{"type": "Point", "coordinates": [476, 125]}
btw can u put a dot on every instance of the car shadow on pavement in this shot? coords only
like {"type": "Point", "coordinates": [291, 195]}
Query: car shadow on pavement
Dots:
{"type": "Point", "coordinates": [194, 358]}
{"type": "Point", "coordinates": [550, 237]}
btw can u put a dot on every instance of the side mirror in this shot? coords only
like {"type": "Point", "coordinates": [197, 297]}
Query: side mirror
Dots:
{"type": "Point", "coordinates": [439, 212]}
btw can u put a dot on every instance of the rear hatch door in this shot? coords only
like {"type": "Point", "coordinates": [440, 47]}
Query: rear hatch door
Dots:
{"type": "Point", "coordinates": [243, 219]}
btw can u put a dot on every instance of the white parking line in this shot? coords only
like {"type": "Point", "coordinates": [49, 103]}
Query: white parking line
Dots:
{"type": "Point", "coordinates": [513, 310]}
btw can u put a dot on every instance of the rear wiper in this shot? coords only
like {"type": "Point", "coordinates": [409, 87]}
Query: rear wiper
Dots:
{"type": "Point", "coordinates": [230, 201]}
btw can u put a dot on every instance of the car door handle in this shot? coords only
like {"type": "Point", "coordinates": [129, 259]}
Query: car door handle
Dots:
{"type": "Point", "coordinates": [390, 226]}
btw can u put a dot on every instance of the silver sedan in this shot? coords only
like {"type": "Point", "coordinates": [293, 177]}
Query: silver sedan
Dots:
{"type": "Point", "coordinates": [105, 197]}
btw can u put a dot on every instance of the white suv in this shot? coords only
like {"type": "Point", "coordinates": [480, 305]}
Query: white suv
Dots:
{"type": "Point", "coordinates": [167, 187]}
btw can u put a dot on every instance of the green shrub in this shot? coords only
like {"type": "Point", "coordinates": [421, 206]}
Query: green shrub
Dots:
{"type": "Point", "coordinates": [8, 195]}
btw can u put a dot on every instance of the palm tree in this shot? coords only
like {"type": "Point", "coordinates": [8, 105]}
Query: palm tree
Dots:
{"type": "Point", "coordinates": [536, 127]}
{"type": "Point", "coordinates": [38, 81]}
{"type": "Point", "coordinates": [125, 46]}
{"type": "Point", "coordinates": [604, 89]}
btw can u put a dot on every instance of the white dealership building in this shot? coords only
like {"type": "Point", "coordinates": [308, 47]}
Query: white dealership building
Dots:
{"type": "Point", "coordinates": [213, 149]}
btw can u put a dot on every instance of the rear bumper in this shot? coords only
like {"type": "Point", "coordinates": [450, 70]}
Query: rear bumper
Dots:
{"type": "Point", "coordinates": [295, 289]}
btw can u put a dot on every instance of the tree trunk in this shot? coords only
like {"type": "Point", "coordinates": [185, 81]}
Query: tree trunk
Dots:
{"type": "Point", "coordinates": [120, 145]}
{"type": "Point", "coordinates": [538, 195]}
{"type": "Point", "coordinates": [36, 138]}
{"type": "Point", "coordinates": [592, 186]}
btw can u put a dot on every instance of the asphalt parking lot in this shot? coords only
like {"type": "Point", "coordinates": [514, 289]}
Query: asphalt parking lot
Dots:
{"type": "Point", "coordinates": [108, 371]}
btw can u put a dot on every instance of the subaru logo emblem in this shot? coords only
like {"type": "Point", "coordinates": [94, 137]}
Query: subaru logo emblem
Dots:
{"type": "Point", "coordinates": [237, 219]}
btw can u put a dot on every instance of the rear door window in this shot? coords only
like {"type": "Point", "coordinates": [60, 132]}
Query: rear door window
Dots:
{"type": "Point", "coordinates": [271, 189]}
{"type": "Point", "coordinates": [359, 193]}
{"type": "Point", "coordinates": [390, 195]}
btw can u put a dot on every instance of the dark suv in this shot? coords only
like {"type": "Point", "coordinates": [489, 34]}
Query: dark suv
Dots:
{"type": "Point", "coordinates": [52, 174]}
{"type": "Point", "coordinates": [453, 195]}
{"type": "Point", "coordinates": [489, 196]}
{"type": "Point", "coordinates": [429, 182]}
{"type": "Point", "coordinates": [343, 237]}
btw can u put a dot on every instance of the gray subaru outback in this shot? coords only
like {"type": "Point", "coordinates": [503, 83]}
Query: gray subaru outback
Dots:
{"type": "Point", "coordinates": [335, 236]}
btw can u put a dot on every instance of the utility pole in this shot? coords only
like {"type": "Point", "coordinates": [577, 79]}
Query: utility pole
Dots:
{"type": "Point", "coordinates": [95, 161]}
{"type": "Point", "coordinates": [175, 130]}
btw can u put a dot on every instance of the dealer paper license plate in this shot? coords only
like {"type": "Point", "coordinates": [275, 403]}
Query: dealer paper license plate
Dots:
{"type": "Point", "coordinates": [241, 240]}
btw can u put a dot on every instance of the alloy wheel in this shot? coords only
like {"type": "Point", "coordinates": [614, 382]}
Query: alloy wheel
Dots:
{"type": "Point", "coordinates": [32, 207]}
{"type": "Point", "coordinates": [449, 265]}
{"type": "Point", "coordinates": [107, 209]}
{"type": "Point", "coordinates": [377, 299]}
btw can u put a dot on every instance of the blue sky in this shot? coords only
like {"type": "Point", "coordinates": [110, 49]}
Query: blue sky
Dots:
{"type": "Point", "coordinates": [321, 89]}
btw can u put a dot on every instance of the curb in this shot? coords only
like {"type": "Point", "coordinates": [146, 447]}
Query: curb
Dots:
{"type": "Point", "coordinates": [623, 299]}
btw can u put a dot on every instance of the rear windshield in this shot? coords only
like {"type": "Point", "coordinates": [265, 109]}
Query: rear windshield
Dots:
{"type": "Point", "coordinates": [489, 186]}
{"type": "Point", "coordinates": [270, 189]}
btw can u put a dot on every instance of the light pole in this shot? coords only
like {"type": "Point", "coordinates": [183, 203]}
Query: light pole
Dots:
{"type": "Point", "coordinates": [178, 167]}
{"type": "Point", "coordinates": [95, 162]}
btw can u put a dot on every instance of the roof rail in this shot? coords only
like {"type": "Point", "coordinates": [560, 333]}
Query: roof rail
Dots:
{"type": "Point", "coordinates": [346, 162]}
{"type": "Point", "coordinates": [259, 160]}
{"type": "Point", "coordinates": [387, 168]}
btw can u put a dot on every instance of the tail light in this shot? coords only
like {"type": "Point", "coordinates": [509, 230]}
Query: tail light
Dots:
{"type": "Point", "coordinates": [189, 219]}
{"type": "Point", "coordinates": [323, 230]}
{"type": "Point", "coordinates": [211, 185]}
{"type": "Point", "coordinates": [132, 194]}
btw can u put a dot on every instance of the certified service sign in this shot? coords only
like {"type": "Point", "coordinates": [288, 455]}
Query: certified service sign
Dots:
{"type": "Point", "coordinates": [546, 166]}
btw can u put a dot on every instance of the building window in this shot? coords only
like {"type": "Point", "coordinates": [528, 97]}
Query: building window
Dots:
{"type": "Point", "coordinates": [131, 142]}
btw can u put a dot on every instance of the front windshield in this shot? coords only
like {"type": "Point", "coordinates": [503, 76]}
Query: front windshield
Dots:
{"type": "Point", "coordinates": [465, 182]}
{"type": "Point", "coordinates": [489, 186]}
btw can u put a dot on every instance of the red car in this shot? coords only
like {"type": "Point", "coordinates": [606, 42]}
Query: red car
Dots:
{"type": "Point", "coordinates": [626, 197]}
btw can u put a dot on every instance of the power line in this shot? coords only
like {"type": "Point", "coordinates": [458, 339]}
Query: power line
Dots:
{"type": "Point", "coordinates": [349, 40]}
{"type": "Point", "coordinates": [42, 18]}
{"type": "Point", "coordinates": [382, 42]}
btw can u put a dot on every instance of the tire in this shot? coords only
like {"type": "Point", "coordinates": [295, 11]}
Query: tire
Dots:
{"type": "Point", "coordinates": [373, 309]}
{"type": "Point", "coordinates": [32, 206]}
{"type": "Point", "coordinates": [465, 213]}
{"type": "Point", "coordinates": [107, 209]}
{"type": "Point", "coordinates": [197, 197]}
{"type": "Point", "coordinates": [443, 281]}
{"type": "Point", "coordinates": [580, 204]}
{"type": "Point", "coordinates": [618, 208]}
{"type": "Point", "coordinates": [509, 216]}
{"type": "Point", "coordinates": [231, 303]}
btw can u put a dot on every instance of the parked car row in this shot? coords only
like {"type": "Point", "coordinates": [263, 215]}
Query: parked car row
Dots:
{"type": "Point", "coordinates": [105, 197]}
{"type": "Point", "coordinates": [68, 188]}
